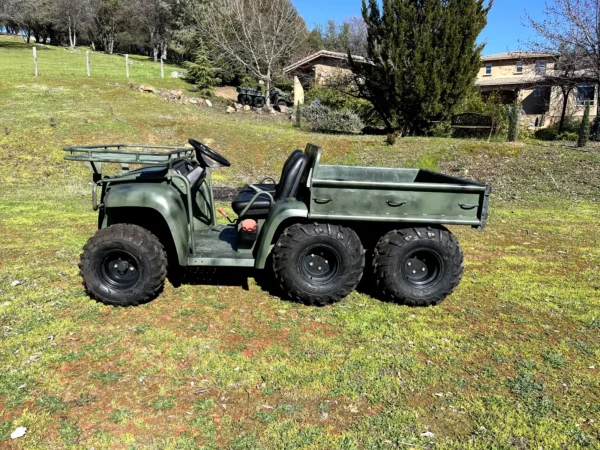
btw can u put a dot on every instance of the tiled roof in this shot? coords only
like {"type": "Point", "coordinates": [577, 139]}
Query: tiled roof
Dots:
{"type": "Point", "coordinates": [326, 53]}
{"type": "Point", "coordinates": [505, 81]}
{"type": "Point", "coordinates": [517, 55]}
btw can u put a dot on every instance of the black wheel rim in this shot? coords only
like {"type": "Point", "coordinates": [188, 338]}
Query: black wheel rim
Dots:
{"type": "Point", "coordinates": [422, 268]}
{"type": "Point", "coordinates": [119, 270]}
{"type": "Point", "coordinates": [319, 264]}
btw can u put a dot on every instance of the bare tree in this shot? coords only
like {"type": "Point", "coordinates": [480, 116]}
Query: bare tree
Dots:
{"type": "Point", "coordinates": [257, 35]}
{"type": "Point", "coordinates": [109, 18]}
{"type": "Point", "coordinates": [573, 24]}
{"type": "Point", "coordinates": [155, 16]}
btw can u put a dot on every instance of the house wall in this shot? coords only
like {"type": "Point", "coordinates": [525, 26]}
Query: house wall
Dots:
{"type": "Point", "coordinates": [508, 69]}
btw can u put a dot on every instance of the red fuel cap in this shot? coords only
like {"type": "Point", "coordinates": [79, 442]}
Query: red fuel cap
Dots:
{"type": "Point", "coordinates": [249, 226]}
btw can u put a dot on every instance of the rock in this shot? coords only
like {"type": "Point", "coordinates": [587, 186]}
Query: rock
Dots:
{"type": "Point", "coordinates": [237, 106]}
{"type": "Point", "coordinates": [16, 283]}
{"type": "Point", "coordinates": [230, 110]}
{"type": "Point", "coordinates": [193, 101]}
{"type": "Point", "coordinates": [176, 74]}
{"type": "Point", "coordinates": [208, 103]}
{"type": "Point", "coordinates": [177, 94]}
{"type": "Point", "coordinates": [428, 434]}
{"type": "Point", "coordinates": [200, 101]}
{"type": "Point", "coordinates": [247, 108]}
{"type": "Point", "coordinates": [282, 108]}
{"type": "Point", "coordinates": [147, 88]}
{"type": "Point", "coordinates": [18, 433]}
{"type": "Point", "coordinates": [185, 100]}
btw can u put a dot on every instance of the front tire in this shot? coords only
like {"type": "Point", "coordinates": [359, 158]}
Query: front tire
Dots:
{"type": "Point", "coordinates": [123, 265]}
{"type": "Point", "coordinates": [418, 266]}
{"type": "Point", "coordinates": [318, 264]}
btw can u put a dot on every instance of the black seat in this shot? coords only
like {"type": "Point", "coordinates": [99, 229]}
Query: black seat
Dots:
{"type": "Point", "coordinates": [287, 187]}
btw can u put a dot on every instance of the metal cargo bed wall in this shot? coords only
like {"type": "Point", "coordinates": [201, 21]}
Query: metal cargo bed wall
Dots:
{"type": "Point", "coordinates": [396, 195]}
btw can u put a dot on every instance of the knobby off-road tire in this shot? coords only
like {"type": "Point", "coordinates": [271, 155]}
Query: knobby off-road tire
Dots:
{"type": "Point", "coordinates": [123, 265]}
{"type": "Point", "coordinates": [318, 264]}
{"type": "Point", "coordinates": [418, 266]}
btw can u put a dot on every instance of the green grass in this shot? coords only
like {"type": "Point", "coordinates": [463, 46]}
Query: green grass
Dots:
{"type": "Point", "coordinates": [506, 362]}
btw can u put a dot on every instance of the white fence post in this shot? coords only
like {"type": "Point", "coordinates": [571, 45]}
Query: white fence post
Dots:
{"type": "Point", "coordinates": [127, 65]}
{"type": "Point", "coordinates": [35, 62]}
{"type": "Point", "coordinates": [162, 67]}
{"type": "Point", "coordinates": [87, 57]}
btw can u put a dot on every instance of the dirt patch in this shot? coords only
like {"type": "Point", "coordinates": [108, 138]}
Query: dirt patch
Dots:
{"type": "Point", "coordinates": [226, 92]}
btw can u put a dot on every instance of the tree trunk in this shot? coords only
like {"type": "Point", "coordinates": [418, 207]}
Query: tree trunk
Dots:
{"type": "Point", "coordinates": [155, 52]}
{"type": "Point", "coordinates": [268, 84]}
{"type": "Point", "coordinates": [163, 50]}
{"type": "Point", "coordinates": [566, 93]}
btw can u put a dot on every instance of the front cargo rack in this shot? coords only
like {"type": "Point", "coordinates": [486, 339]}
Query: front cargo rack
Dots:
{"type": "Point", "coordinates": [129, 154]}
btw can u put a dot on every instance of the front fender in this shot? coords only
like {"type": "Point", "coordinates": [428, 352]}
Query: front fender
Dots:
{"type": "Point", "coordinates": [282, 211]}
{"type": "Point", "coordinates": [162, 198]}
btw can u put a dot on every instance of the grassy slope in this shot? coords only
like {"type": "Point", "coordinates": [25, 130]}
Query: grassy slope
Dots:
{"type": "Point", "coordinates": [504, 363]}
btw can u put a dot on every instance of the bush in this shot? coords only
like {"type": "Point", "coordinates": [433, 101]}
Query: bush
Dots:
{"type": "Point", "coordinates": [584, 128]}
{"type": "Point", "coordinates": [442, 130]}
{"type": "Point", "coordinates": [570, 128]}
{"type": "Point", "coordinates": [513, 122]}
{"type": "Point", "coordinates": [334, 98]}
{"type": "Point", "coordinates": [567, 136]}
{"type": "Point", "coordinates": [322, 118]}
{"type": "Point", "coordinates": [491, 105]}
{"type": "Point", "coordinates": [546, 134]}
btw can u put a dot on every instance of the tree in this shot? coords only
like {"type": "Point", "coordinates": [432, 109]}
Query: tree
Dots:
{"type": "Point", "coordinates": [584, 129]}
{"type": "Point", "coordinates": [156, 17]}
{"type": "Point", "coordinates": [259, 36]}
{"type": "Point", "coordinates": [109, 19]}
{"type": "Point", "coordinates": [350, 36]}
{"type": "Point", "coordinates": [574, 24]}
{"type": "Point", "coordinates": [73, 16]}
{"type": "Point", "coordinates": [202, 73]}
{"type": "Point", "coordinates": [423, 57]}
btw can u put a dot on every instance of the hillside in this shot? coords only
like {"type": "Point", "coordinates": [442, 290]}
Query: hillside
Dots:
{"type": "Point", "coordinates": [509, 361]}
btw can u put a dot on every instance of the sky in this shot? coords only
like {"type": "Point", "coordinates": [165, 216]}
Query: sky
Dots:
{"type": "Point", "coordinates": [504, 30]}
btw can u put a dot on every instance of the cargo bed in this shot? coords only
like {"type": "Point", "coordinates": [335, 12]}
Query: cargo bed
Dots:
{"type": "Point", "coordinates": [395, 195]}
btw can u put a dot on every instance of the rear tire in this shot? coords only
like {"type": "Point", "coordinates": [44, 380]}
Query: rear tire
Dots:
{"type": "Point", "coordinates": [418, 266]}
{"type": "Point", "coordinates": [244, 99]}
{"type": "Point", "coordinates": [318, 264]}
{"type": "Point", "coordinates": [259, 102]}
{"type": "Point", "coordinates": [123, 265]}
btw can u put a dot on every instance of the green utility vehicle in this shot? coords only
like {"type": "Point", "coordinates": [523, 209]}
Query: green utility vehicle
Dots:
{"type": "Point", "coordinates": [311, 228]}
{"type": "Point", "coordinates": [257, 98]}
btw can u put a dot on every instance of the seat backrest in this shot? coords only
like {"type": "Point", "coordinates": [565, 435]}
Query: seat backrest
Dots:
{"type": "Point", "coordinates": [291, 176]}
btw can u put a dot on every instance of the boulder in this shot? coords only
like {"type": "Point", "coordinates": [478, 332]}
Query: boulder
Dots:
{"type": "Point", "coordinates": [208, 103]}
{"type": "Point", "coordinates": [238, 106]}
{"type": "Point", "coordinates": [247, 108]}
{"type": "Point", "coordinates": [231, 110]}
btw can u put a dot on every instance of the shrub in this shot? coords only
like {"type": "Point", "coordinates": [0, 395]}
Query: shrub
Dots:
{"type": "Point", "coordinates": [570, 128]}
{"type": "Point", "coordinates": [491, 105]}
{"type": "Point", "coordinates": [390, 139]}
{"type": "Point", "coordinates": [322, 118]}
{"type": "Point", "coordinates": [442, 129]}
{"type": "Point", "coordinates": [567, 136]}
{"type": "Point", "coordinates": [333, 97]}
{"type": "Point", "coordinates": [584, 129]}
{"type": "Point", "coordinates": [513, 122]}
{"type": "Point", "coordinates": [546, 134]}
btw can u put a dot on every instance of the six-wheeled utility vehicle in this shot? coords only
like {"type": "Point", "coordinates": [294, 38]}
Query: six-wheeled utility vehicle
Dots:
{"type": "Point", "coordinates": [311, 227]}
{"type": "Point", "coordinates": [257, 98]}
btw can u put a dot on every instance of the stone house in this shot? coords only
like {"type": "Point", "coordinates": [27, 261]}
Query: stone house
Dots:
{"type": "Point", "coordinates": [520, 77]}
{"type": "Point", "coordinates": [515, 76]}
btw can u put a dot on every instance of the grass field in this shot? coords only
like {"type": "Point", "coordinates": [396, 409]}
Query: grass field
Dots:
{"type": "Point", "coordinates": [510, 361]}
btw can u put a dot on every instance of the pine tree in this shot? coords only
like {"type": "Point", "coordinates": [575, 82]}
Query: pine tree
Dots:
{"type": "Point", "coordinates": [202, 73]}
{"type": "Point", "coordinates": [424, 56]}
{"type": "Point", "coordinates": [584, 129]}
{"type": "Point", "coordinates": [513, 122]}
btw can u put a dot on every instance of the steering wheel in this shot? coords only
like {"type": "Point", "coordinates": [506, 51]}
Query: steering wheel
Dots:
{"type": "Point", "coordinates": [203, 152]}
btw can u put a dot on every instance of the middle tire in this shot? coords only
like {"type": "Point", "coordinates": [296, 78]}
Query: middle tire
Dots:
{"type": "Point", "coordinates": [318, 264]}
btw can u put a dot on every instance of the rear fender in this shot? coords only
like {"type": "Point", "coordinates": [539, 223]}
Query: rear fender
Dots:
{"type": "Point", "coordinates": [163, 199]}
{"type": "Point", "coordinates": [281, 212]}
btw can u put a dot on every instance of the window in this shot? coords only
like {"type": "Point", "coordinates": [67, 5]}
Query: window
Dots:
{"type": "Point", "coordinates": [537, 92]}
{"type": "Point", "coordinates": [488, 69]}
{"type": "Point", "coordinates": [586, 93]}
{"type": "Point", "coordinates": [540, 67]}
{"type": "Point", "coordinates": [519, 66]}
